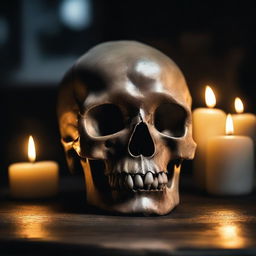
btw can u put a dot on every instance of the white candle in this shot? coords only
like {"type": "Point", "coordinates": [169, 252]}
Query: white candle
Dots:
{"type": "Point", "coordinates": [207, 122]}
{"type": "Point", "coordinates": [244, 123]}
{"type": "Point", "coordinates": [230, 163]}
{"type": "Point", "coordinates": [33, 179]}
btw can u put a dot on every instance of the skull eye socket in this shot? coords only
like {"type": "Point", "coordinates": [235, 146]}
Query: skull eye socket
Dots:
{"type": "Point", "coordinates": [104, 120]}
{"type": "Point", "coordinates": [170, 119]}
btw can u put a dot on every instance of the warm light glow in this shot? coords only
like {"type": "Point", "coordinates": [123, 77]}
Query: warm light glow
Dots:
{"type": "Point", "coordinates": [31, 150]}
{"type": "Point", "coordinates": [239, 106]}
{"type": "Point", "coordinates": [176, 175]}
{"type": "Point", "coordinates": [210, 98]}
{"type": "Point", "coordinates": [32, 221]}
{"type": "Point", "coordinates": [229, 232]}
{"type": "Point", "coordinates": [229, 125]}
{"type": "Point", "coordinates": [230, 235]}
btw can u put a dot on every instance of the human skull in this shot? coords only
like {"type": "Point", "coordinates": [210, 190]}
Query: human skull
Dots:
{"type": "Point", "coordinates": [127, 105]}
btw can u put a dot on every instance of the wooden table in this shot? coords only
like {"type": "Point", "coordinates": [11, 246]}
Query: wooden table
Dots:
{"type": "Point", "coordinates": [200, 225]}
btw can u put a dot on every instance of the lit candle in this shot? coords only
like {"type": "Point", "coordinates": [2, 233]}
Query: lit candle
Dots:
{"type": "Point", "coordinates": [33, 179]}
{"type": "Point", "coordinates": [230, 163]}
{"type": "Point", "coordinates": [244, 123]}
{"type": "Point", "coordinates": [207, 122]}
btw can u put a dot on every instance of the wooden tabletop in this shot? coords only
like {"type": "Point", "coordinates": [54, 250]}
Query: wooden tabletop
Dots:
{"type": "Point", "coordinates": [200, 225]}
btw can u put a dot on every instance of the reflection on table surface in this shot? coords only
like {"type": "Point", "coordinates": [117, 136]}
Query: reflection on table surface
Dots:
{"type": "Point", "coordinates": [199, 223]}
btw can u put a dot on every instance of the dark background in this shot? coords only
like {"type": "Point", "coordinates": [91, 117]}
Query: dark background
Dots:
{"type": "Point", "coordinates": [213, 42]}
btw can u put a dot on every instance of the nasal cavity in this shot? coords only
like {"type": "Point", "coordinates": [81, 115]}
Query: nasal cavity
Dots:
{"type": "Point", "coordinates": [141, 142]}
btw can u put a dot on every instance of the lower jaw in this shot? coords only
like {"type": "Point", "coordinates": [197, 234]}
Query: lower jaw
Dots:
{"type": "Point", "coordinates": [144, 202]}
{"type": "Point", "coordinates": [149, 202]}
{"type": "Point", "coordinates": [138, 202]}
{"type": "Point", "coordinates": [121, 194]}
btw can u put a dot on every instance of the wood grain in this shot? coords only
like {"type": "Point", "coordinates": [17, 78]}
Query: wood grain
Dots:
{"type": "Point", "coordinates": [200, 225]}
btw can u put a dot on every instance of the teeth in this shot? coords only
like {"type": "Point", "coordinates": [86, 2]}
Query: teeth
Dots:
{"type": "Point", "coordinates": [148, 178]}
{"type": "Point", "coordinates": [129, 182]}
{"type": "Point", "coordinates": [138, 181]}
{"type": "Point", "coordinates": [165, 179]}
{"type": "Point", "coordinates": [155, 183]}
{"type": "Point", "coordinates": [160, 179]}
{"type": "Point", "coordinates": [125, 167]}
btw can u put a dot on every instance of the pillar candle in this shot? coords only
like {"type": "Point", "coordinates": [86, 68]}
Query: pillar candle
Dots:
{"type": "Point", "coordinates": [230, 163]}
{"type": "Point", "coordinates": [29, 180]}
{"type": "Point", "coordinates": [244, 123]}
{"type": "Point", "coordinates": [207, 122]}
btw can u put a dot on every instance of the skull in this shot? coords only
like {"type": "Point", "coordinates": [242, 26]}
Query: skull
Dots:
{"type": "Point", "coordinates": [124, 114]}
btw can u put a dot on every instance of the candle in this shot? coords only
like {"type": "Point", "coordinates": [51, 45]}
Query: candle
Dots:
{"type": "Point", "coordinates": [207, 122]}
{"type": "Point", "coordinates": [230, 163]}
{"type": "Point", "coordinates": [244, 123]}
{"type": "Point", "coordinates": [33, 179]}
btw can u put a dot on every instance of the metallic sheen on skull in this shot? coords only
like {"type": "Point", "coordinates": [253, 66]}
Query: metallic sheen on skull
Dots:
{"type": "Point", "coordinates": [124, 112]}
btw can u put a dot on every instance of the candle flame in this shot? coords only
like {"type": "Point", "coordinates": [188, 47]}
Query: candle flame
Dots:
{"type": "Point", "coordinates": [210, 98]}
{"type": "Point", "coordinates": [239, 106]}
{"type": "Point", "coordinates": [229, 125]}
{"type": "Point", "coordinates": [31, 150]}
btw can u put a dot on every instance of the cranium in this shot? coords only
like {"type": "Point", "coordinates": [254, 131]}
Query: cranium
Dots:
{"type": "Point", "coordinates": [127, 105]}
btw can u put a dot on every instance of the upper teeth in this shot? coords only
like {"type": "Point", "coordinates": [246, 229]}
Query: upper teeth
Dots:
{"type": "Point", "coordinates": [138, 181]}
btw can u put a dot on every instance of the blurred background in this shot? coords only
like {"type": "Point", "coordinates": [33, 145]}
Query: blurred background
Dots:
{"type": "Point", "coordinates": [213, 42]}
